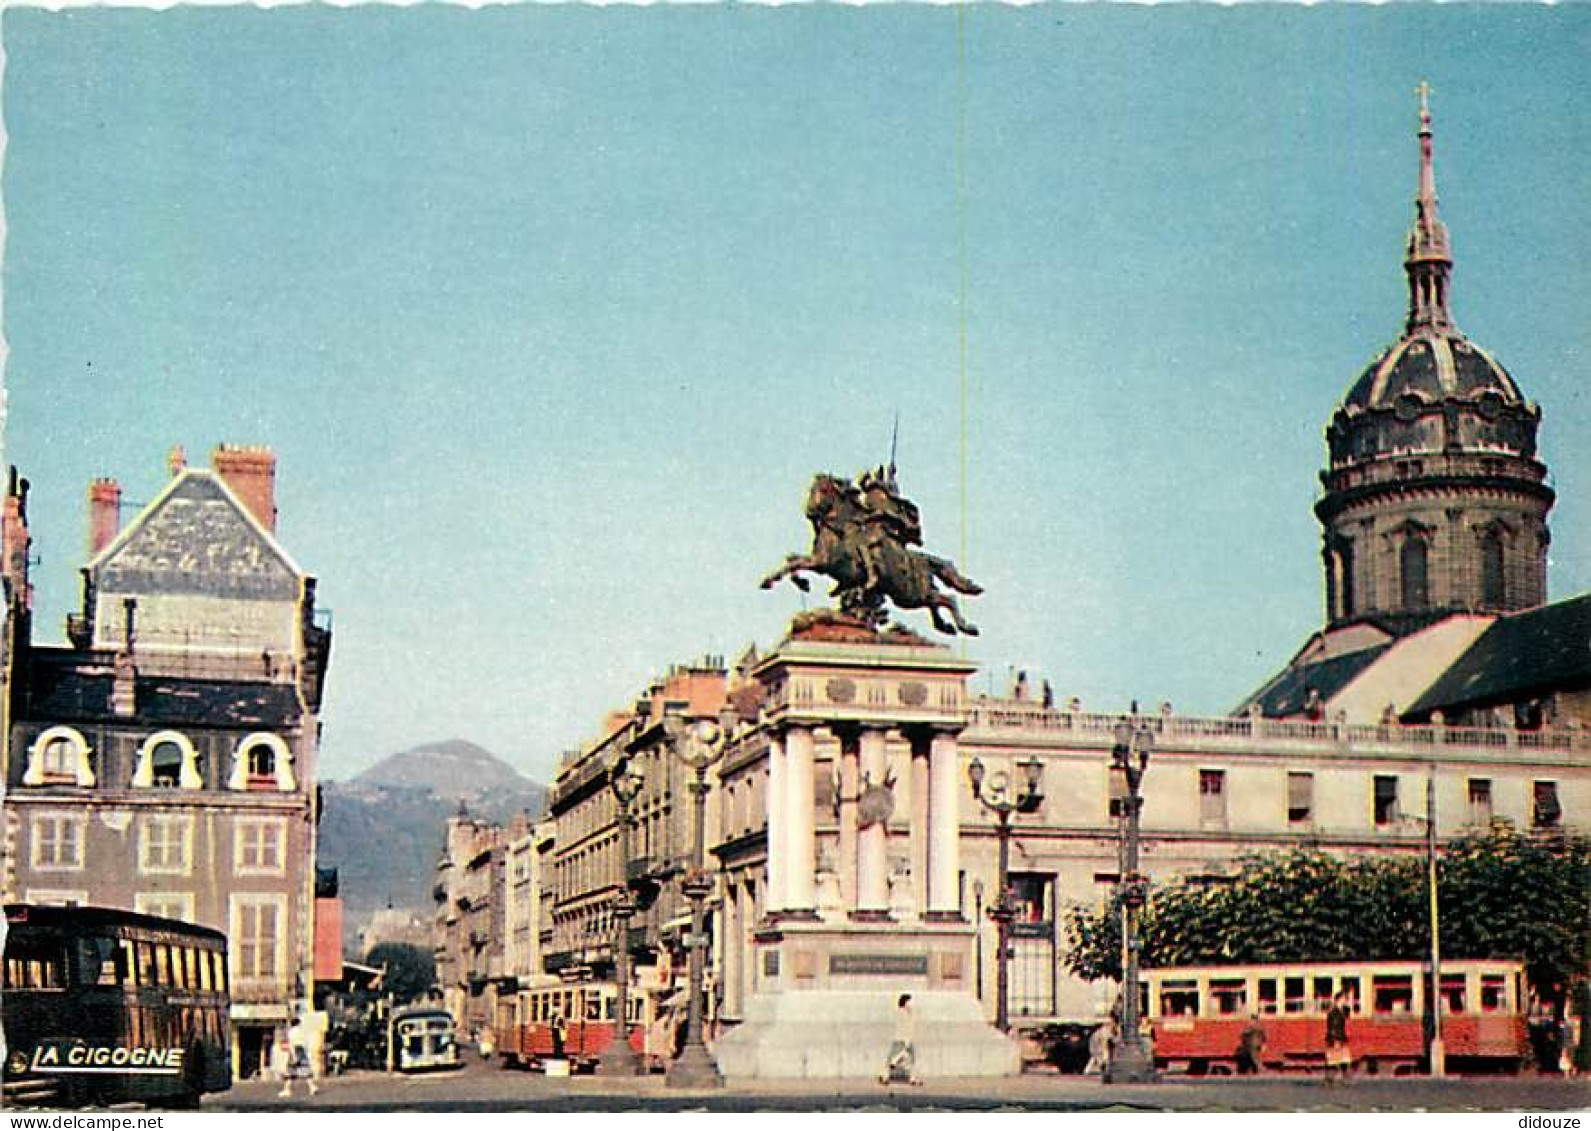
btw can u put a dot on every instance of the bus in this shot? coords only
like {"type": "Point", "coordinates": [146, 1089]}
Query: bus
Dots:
{"type": "Point", "coordinates": [571, 1022]}
{"type": "Point", "coordinates": [422, 1038]}
{"type": "Point", "coordinates": [1198, 1014]}
{"type": "Point", "coordinates": [104, 1006]}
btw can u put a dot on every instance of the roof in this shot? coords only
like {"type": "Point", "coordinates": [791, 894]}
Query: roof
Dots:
{"type": "Point", "coordinates": [81, 693]}
{"type": "Point", "coordinates": [1288, 692]}
{"type": "Point", "coordinates": [1520, 656]}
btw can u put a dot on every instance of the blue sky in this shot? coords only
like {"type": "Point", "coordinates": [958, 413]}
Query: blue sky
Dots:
{"type": "Point", "coordinates": [551, 313]}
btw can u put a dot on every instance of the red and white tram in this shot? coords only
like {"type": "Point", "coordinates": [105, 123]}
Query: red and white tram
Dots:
{"type": "Point", "coordinates": [1198, 1015]}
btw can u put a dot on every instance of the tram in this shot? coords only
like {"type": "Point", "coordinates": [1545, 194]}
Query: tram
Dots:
{"type": "Point", "coordinates": [104, 1006]}
{"type": "Point", "coordinates": [572, 1022]}
{"type": "Point", "coordinates": [1198, 1015]}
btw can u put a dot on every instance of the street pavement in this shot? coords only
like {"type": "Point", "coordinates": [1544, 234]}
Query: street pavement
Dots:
{"type": "Point", "coordinates": [479, 1087]}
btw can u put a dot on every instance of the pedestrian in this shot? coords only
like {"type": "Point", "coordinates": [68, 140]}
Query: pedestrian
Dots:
{"type": "Point", "coordinates": [1100, 1042]}
{"type": "Point", "coordinates": [1251, 1048]}
{"type": "Point", "coordinates": [902, 1059]}
{"type": "Point", "coordinates": [298, 1065]}
{"type": "Point", "coordinates": [1339, 1060]}
{"type": "Point", "coordinates": [484, 1043]}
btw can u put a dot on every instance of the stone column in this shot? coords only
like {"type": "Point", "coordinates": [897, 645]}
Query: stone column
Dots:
{"type": "Point", "coordinates": [800, 847]}
{"type": "Point", "coordinates": [944, 827]}
{"type": "Point", "coordinates": [773, 893]}
{"type": "Point", "coordinates": [919, 820]}
{"type": "Point", "coordinates": [849, 785]}
{"type": "Point", "coordinates": [872, 865]}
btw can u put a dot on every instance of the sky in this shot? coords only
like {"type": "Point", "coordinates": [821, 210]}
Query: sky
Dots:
{"type": "Point", "coordinates": [551, 314]}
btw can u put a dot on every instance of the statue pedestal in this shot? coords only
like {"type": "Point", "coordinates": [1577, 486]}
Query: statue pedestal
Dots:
{"type": "Point", "coordinates": [876, 714]}
{"type": "Point", "coordinates": [827, 1007]}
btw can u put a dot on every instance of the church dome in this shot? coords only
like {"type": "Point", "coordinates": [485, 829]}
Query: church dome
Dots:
{"type": "Point", "coordinates": [1435, 501]}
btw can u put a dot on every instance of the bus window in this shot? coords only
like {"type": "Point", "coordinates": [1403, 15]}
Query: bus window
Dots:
{"type": "Point", "coordinates": [1322, 994]}
{"type": "Point", "coordinates": [163, 964]}
{"type": "Point", "coordinates": [1229, 995]}
{"type": "Point", "coordinates": [204, 970]}
{"type": "Point", "coordinates": [1294, 990]}
{"type": "Point", "coordinates": [1455, 999]}
{"type": "Point", "coordinates": [146, 965]}
{"type": "Point", "coordinates": [1267, 995]}
{"type": "Point", "coordinates": [127, 957]}
{"type": "Point", "coordinates": [1392, 993]}
{"type": "Point", "coordinates": [1179, 997]}
{"type": "Point", "coordinates": [1494, 993]}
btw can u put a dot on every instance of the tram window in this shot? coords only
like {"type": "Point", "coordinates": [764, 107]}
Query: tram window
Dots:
{"type": "Point", "coordinates": [607, 1009]}
{"type": "Point", "coordinates": [98, 962]}
{"type": "Point", "coordinates": [128, 959]}
{"type": "Point", "coordinates": [1267, 989]}
{"type": "Point", "coordinates": [1179, 998]}
{"type": "Point", "coordinates": [1454, 995]}
{"type": "Point", "coordinates": [1350, 986]}
{"type": "Point", "coordinates": [163, 964]}
{"type": "Point", "coordinates": [146, 965]}
{"type": "Point", "coordinates": [1392, 993]}
{"type": "Point", "coordinates": [1294, 989]}
{"type": "Point", "coordinates": [1229, 995]}
{"type": "Point", "coordinates": [593, 1008]}
{"type": "Point", "coordinates": [1494, 993]}
{"type": "Point", "coordinates": [30, 966]}
{"type": "Point", "coordinates": [1322, 994]}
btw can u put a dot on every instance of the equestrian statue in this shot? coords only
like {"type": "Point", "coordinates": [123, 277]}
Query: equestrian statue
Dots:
{"type": "Point", "coordinates": [864, 536]}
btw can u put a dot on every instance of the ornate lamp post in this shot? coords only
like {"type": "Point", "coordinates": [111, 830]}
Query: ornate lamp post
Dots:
{"type": "Point", "coordinates": [698, 746]}
{"type": "Point", "coordinates": [998, 797]}
{"type": "Point", "coordinates": [619, 1059]}
{"type": "Point", "coordinates": [1130, 1061]}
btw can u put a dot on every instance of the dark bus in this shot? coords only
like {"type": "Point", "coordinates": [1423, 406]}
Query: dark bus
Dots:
{"type": "Point", "coordinates": [103, 1006]}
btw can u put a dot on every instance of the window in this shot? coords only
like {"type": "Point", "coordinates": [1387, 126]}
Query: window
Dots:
{"type": "Point", "coordinates": [257, 846]}
{"type": "Point", "coordinates": [1546, 812]}
{"type": "Point", "coordinates": [166, 846]}
{"type": "Point", "coordinates": [35, 964]}
{"type": "Point", "coordinates": [262, 761]}
{"type": "Point", "coordinates": [1494, 993]}
{"type": "Point", "coordinates": [1392, 993]}
{"type": "Point", "coordinates": [1480, 801]}
{"type": "Point", "coordinates": [1212, 796]}
{"type": "Point", "coordinates": [165, 904]}
{"type": "Point", "coordinates": [1340, 579]}
{"type": "Point", "coordinates": [57, 842]}
{"type": "Point", "coordinates": [167, 760]}
{"type": "Point", "coordinates": [1413, 559]}
{"type": "Point", "coordinates": [1179, 998]}
{"type": "Point", "coordinates": [1454, 997]}
{"type": "Point", "coordinates": [1229, 996]}
{"type": "Point", "coordinates": [1386, 800]}
{"type": "Point", "coordinates": [1300, 798]}
{"type": "Point", "coordinates": [59, 756]}
{"type": "Point", "coordinates": [257, 926]}
{"type": "Point", "coordinates": [1494, 587]}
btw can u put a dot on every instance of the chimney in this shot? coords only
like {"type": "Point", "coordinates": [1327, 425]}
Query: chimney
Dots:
{"type": "Point", "coordinates": [251, 474]}
{"type": "Point", "coordinates": [104, 514]}
{"type": "Point", "coordinates": [15, 541]}
{"type": "Point", "coordinates": [177, 461]}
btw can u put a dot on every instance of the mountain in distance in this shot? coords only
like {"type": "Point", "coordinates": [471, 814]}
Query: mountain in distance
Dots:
{"type": "Point", "coordinates": [382, 829]}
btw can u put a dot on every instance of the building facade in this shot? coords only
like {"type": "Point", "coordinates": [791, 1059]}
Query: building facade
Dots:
{"type": "Point", "coordinates": [165, 759]}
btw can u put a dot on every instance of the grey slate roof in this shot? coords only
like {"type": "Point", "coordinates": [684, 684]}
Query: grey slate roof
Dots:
{"type": "Point", "coordinates": [60, 692]}
{"type": "Point", "coordinates": [1288, 692]}
{"type": "Point", "coordinates": [1521, 656]}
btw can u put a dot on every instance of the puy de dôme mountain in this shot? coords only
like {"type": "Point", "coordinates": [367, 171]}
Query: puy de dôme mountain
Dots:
{"type": "Point", "coordinates": [382, 830]}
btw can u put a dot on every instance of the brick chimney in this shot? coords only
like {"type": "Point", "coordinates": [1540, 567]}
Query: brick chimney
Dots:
{"type": "Point", "coordinates": [104, 514]}
{"type": "Point", "coordinates": [251, 474]}
{"type": "Point", "coordinates": [15, 541]}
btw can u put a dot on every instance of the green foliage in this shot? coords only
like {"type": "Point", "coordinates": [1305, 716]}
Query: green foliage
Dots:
{"type": "Point", "coordinates": [410, 970]}
{"type": "Point", "coordinates": [1502, 894]}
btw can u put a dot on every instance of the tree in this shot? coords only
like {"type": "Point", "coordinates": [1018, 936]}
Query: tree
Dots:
{"type": "Point", "coordinates": [1503, 894]}
{"type": "Point", "coordinates": [410, 970]}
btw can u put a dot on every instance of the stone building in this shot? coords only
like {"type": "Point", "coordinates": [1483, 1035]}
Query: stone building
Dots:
{"type": "Point", "coordinates": [584, 870]}
{"type": "Point", "coordinates": [470, 926]}
{"type": "Point", "coordinates": [164, 760]}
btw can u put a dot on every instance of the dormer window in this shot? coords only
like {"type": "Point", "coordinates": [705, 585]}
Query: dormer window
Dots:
{"type": "Point", "coordinates": [167, 760]}
{"type": "Point", "coordinates": [59, 756]}
{"type": "Point", "coordinates": [262, 762]}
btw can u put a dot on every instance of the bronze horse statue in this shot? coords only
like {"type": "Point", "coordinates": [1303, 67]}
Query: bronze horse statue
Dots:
{"type": "Point", "coordinates": [862, 540]}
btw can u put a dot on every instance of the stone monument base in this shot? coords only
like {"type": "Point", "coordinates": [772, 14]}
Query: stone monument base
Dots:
{"type": "Point", "coordinates": [841, 1034]}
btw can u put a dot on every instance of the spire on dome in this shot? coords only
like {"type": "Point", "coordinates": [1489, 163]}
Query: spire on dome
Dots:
{"type": "Point", "coordinates": [1430, 258]}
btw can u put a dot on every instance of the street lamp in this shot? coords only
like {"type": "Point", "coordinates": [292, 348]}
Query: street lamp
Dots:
{"type": "Point", "coordinates": [1436, 1049]}
{"type": "Point", "coordinates": [625, 781]}
{"type": "Point", "coordinates": [1130, 1062]}
{"type": "Point", "coordinates": [698, 745]}
{"type": "Point", "coordinates": [996, 795]}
